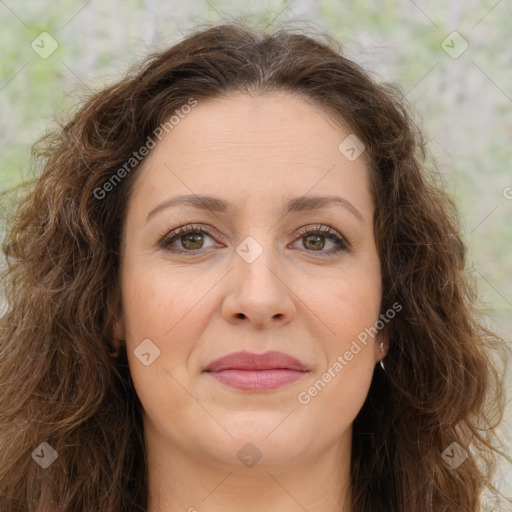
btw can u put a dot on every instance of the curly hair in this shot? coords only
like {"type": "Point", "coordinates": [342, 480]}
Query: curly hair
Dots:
{"type": "Point", "coordinates": [58, 383]}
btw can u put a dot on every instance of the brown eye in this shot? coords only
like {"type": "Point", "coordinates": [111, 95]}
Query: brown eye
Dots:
{"type": "Point", "coordinates": [313, 242]}
{"type": "Point", "coordinates": [192, 241]}
{"type": "Point", "coordinates": [187, 239]}
{"type": "Point", "coordinates": [314, 239]}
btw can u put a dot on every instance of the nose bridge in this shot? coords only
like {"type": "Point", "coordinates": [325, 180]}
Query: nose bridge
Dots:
{"type": "Point", "coordinates": [258, 263]}
{"type": "Point", "coordinates": [258, 292]}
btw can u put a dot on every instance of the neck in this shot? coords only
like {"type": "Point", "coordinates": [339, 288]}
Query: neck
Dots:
{"type": "Point", "coordinates": [188, 479]}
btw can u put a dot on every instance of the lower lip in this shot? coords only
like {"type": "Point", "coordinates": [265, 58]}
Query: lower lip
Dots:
{"type": "Point", "coordinates": [257, 380]}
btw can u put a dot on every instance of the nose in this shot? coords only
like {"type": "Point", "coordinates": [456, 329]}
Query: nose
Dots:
{"type": "Point", "coordinates": [259, 293]}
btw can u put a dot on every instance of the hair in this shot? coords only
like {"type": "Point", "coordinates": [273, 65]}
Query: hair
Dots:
{"type": "Point", "coordinates": [58, 381]}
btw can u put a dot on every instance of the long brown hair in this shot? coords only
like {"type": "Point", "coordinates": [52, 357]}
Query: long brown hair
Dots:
{"type": "Point", "coordinates": [60, 386]}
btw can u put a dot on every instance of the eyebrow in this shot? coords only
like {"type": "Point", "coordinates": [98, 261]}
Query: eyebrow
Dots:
{"type": "Point", "coordinates": [215, 204]}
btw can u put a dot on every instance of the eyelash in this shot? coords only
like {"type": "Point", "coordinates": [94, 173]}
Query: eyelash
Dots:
{"type": "Point", "coordinates": [167, 238]}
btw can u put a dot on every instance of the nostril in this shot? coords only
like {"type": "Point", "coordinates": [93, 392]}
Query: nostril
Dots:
{"type": "Point", "coordinates": [241, 315]}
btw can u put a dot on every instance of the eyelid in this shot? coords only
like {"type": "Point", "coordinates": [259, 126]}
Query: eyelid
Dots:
{"type": "Point", "coordinates": [320, 228]}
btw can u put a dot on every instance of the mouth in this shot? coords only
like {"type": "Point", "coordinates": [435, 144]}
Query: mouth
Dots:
{"type": "Point", "coordinates": [257, 380]}
{"type": "Point", "coordinates": [248, 371]}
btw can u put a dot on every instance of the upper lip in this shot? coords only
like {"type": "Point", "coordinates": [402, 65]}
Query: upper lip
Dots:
{"type": "Point", "coordinates": [250, 361]}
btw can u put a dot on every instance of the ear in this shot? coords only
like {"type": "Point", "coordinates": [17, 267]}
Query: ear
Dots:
{"type": "Point", "coordinates": [118, 333]}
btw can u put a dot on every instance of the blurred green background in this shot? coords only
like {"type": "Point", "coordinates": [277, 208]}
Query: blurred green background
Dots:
{"type": "Point", "coordinates": [452, 59]}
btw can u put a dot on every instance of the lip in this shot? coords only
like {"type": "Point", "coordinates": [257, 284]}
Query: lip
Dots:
{"type": "Point", "coordinates": [244, 360]}
{"type": "Point", "coordinates": [249, 371]}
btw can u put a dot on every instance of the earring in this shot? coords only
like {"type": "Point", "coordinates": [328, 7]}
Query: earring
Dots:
{"type": "Point", "coordinates": [381, 347]}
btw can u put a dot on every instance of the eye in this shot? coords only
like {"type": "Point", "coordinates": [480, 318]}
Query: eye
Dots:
{"type": "Point", "coordinates": [314, 239]}
{"type": "Point", "coordinates": [189, 239]}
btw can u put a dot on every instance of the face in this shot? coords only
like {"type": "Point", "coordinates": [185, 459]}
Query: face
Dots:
{"type": "Point", "coordinates": [264, 266]}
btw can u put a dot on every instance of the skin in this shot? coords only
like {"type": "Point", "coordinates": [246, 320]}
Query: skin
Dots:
{"type": "Point", "coordinates": [255, 152]}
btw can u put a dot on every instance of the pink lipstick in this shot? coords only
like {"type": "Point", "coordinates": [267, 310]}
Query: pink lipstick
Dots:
{"type": "Point", "coordinates": [248, 371]}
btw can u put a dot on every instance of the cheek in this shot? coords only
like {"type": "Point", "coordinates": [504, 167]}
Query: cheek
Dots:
{"type": "Point", "coordinates": [346, 302]}
{"type": "Point", "coordinates": [163, 307]}
{"type": "Point", "coordinates": [157, 301]}
{"type": "Point", "coordinates": [348, 309]}
{"type": "Point", "coordinates": [170, 308]}
{"type": "Point", "coordinates": [336, 397]}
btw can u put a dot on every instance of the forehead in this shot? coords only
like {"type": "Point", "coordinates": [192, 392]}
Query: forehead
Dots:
{"type": "Point", "coordinates": [265, 144]}
{"type": "Point", "coordinates": [280, 120]}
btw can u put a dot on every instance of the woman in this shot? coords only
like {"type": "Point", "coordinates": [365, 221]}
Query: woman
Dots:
{"type": "Point", "coordinates": [220, 250]}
